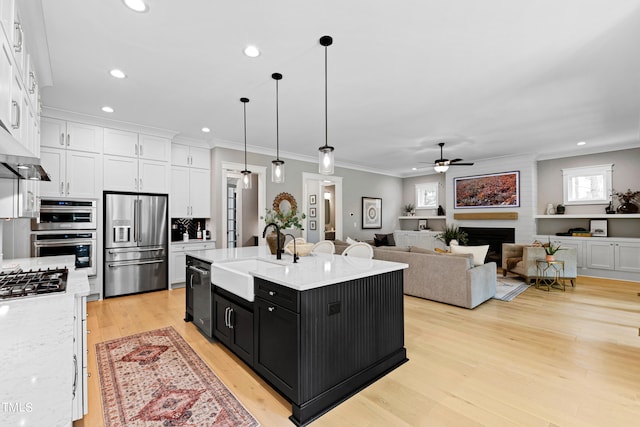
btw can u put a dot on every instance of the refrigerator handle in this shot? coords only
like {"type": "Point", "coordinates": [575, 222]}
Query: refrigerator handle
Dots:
{"type": "Point", "coordinates": [135, 220]}
{"type": "Point", "coordinates": [139, 220]}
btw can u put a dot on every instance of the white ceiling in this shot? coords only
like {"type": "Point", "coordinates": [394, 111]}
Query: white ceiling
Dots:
{"type": "Point", "coordinates": [489, 78]}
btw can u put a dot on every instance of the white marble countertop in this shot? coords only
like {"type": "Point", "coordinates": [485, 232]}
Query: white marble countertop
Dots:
{"type": "Point", "coordinates": [309, 272]}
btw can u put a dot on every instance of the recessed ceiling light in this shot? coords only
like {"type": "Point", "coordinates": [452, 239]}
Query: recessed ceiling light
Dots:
{"type": "Point", "coordinates": [582, 143]}
{"type": "Point", "coordinates": [136, 5]}
{"type": "Point", "coordinates": [107, 109]}
{"type": "Point", "coordinates": [206, 130]}
{"type": "Point", "coordinates": [118, 74]}
{"type": "Point", "coordinates": [414, 169]}
{"type": "Point", "coordinates": [251, 51]}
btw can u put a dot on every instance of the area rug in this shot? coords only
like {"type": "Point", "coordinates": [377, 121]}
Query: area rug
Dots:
{"type": "Point", "coordinates": [508, 288]}
{"type": "Point", "coordinates": [156, 379]}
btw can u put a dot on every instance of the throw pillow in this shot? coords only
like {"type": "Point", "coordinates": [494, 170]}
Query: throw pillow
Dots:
{"type": "Point", "coordinates": [478, 252]}
{"type": "Point", "coordinates": [390, 240]}
{"type": "Point", "coordinates": [380, 242]}
{"type": "Point", "coordinates": [350, 241]}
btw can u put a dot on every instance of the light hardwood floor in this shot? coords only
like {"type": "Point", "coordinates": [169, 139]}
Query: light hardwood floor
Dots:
{"type": "Point", "coordinates": [543, 359]}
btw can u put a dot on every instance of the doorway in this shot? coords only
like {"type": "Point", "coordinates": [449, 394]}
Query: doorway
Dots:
{"type": "Point", "coordinates": [323, 205]}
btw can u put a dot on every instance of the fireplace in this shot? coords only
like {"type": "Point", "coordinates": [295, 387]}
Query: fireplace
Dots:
{"type": "Point", "coordinates": [494, 237]}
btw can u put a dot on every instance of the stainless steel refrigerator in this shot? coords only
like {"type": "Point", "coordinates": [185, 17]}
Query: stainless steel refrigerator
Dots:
{"type": "Point", "coordinates": [135, 249]}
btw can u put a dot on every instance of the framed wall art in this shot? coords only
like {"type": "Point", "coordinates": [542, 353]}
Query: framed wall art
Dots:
{"type": "Point", "coordinates": [496, 190]}
{"type": "Point", "coordinates": [312, 199]}
{"type": "Point", "coordinates": [312, 224]}
{"type": "Point", "coordinates": [312, 212]}
{"type": "Point", "coordinates": [598, 227]}
{"type": "Point", "coordinates": [371, 212]}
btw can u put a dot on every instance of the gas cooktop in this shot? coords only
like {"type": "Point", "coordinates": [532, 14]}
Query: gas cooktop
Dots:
{"type": "Point", "coordinates": [20, 283]}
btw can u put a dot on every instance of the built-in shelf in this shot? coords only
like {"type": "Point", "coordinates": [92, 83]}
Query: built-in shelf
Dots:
{"type": "Point", "coordinates": [593, 216]}
{"type": "Point", "coordinates": [423, 217]}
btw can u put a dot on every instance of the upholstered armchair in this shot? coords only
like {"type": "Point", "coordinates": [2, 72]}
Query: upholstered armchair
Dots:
{"type": "Point", "coordinates": [521, 259]}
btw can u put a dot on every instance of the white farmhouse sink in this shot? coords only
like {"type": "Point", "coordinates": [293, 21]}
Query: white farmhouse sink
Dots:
{"type": "Point", "coordinates": [235, 277]}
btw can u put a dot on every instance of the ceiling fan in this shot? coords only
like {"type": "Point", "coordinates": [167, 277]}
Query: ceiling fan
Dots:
{"type": "Point", "coordinates": [442, 165]}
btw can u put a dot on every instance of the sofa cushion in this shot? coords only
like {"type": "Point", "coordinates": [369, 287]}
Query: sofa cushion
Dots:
{"type": "Point", "coordinates": [380, 241]}
{"type": "Point", "coordinates": [394, 248]}
{"type": "Point", "coordinates": [479, 252]}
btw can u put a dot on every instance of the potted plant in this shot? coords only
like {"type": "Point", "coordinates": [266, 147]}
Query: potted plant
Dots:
{"type": "Point", "coordinates": [284, 220]}
{"type": "Point", "coordinates": [551, 250]}
{"type": "Point", "coordinates": [453, 233]}
{"type": "Point", "coordinates": [410, 209]}
{"type": "Point", "coordinates": [627, 205]}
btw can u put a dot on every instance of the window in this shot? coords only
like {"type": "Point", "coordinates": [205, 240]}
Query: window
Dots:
{"type": "Point", "coordinates": [589, 185]}
{"type": "Point", "coordinates": [427, 195]}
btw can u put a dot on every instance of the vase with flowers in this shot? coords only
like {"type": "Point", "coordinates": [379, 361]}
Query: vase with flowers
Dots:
{"type": "Point", "coordinates": [627, 206]}
{"type": "Point", "coordinates": [285, 220]}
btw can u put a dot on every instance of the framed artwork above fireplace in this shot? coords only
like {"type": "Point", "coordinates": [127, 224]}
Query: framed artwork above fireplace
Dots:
{"type": "Point", "coordinates": [496, 190]}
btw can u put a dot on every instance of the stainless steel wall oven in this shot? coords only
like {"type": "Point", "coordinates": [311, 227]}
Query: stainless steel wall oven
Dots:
{"type": "Point", "coordinates": [67, 227]}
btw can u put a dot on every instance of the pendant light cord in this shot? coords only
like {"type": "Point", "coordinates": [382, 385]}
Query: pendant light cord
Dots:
{"type": "Point", "coordinates": [326, 114]}
{"type": "Point", "coordinates": [244, 104]}
{"type": "Point", "coordinates": [277, 126]}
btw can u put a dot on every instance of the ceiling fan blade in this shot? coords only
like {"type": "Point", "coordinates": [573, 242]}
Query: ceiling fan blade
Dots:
{"type": "Point", "coordinates": [455, 160]}
{"type": "Point", "coordinates": [461, 164]}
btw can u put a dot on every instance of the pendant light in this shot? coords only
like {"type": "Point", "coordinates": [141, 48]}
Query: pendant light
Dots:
{"type": "Point", "coordinates": [246, 174]}
{"type": "Point", "coordinates": [325, 159]}
{"type": "Point", "coordinates": [277, 165]}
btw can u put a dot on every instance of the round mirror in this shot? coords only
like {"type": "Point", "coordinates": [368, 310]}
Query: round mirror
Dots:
{"type": "Point", "coordinates": [284, 203]}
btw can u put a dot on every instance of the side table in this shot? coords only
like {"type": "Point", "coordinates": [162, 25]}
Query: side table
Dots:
{"type": "Point", "coordinates": [550, 274]}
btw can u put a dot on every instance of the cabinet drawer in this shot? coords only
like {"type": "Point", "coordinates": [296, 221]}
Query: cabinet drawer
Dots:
{"type": "Point", "coordinates": [277, 294]}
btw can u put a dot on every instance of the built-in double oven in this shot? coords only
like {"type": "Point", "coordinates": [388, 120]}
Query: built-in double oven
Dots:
{"type": "Point", "coordinates": [67, 227]}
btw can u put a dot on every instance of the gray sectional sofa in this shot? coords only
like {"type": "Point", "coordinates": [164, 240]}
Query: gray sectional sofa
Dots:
{"type": "Point", "coordinates": [447, 278]}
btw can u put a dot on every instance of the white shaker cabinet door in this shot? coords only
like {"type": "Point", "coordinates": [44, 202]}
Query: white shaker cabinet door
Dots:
{"type": "Point", "coordinates": [53, 133]}
{"type": "Point", "coordinates": [84, 174]}
{"type": "Point", "coordinates": [180, 192]}
{"type": "Point", "coordinates": [154, 177]}
{"type": "Point", "coordinates": [600, 255]}
{"type": "Point", "coordinates": [84, 137]}
{"type": "Point", "coordinates": [200, 157]}
{"type": "Point", "coordinates": [154, 148]}
{"type": "Point", "coordinates": [53, 161]}
{"type": "Point", "coordinates": [627, 256]}
{"type": "Point", "coordinates": [200, 192]}
{"type": "Point", "coordinates": [120, 143]}
{"type": "Point", "coordinates": [120, 173]}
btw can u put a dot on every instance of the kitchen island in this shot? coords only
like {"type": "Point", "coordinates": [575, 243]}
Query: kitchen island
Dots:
{"type": "Point", "coordinates": [318, 330]}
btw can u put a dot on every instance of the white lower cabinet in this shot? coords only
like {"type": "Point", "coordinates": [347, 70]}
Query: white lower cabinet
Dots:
{"type": "Point", "coordinates": [568, 244]}
{"type": "Point", "coordinates": [178, 258]}
{"type": "Point", "coordinates": [615, 255]}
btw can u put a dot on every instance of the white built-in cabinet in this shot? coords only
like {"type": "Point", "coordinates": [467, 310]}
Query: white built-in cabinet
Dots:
{"type": "Point", "coordinates": [190, 182]}
{"type": "Point", "coordinates": [70, 153]}
{"type": "Point", "coordinates": [613, 255]}
{"type": "Point", "coordinates": [136, 162]}
{"type": "Point", "coordinates": [79, 394]}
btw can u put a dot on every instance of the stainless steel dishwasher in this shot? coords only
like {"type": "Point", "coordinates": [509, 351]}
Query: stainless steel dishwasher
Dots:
{"type": "Point", "coordinates": [199, 283]}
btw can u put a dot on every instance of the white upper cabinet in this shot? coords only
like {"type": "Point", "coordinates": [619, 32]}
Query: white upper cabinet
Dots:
{"type": "Point", "coordinates": [57, 133]}
{"type": "Point", "coordinates": [190, 156]}
{"type": "Point", "coordinates": [6, 73]}
{"type": "Point", "coordinates": [73, 173]}
{"type": "Point", "coordinates": [136, 162]}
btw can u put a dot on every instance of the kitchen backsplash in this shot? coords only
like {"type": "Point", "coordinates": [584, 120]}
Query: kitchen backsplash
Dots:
{"type": "Point", "coordinates": [178, 225]}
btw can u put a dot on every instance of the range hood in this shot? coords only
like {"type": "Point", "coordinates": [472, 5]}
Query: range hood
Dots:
{"type": "Point", "coordinates": [16, 162]}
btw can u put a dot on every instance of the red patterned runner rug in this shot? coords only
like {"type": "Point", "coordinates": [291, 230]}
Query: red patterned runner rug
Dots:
{"type": "Point", "coordinates": [156, 379]}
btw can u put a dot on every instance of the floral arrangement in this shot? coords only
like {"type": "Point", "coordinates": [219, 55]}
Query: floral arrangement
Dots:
{"type": "Point", "coordinates": [290, 219]}
{"type": "Point", "coordinates": [627, 196]}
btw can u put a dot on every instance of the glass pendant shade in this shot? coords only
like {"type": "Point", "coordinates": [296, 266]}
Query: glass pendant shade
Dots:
{"type": "Point", "coordinates": [246, 179]}
{"type": "Point", "coordinates": [277, 171]}
{"type": "Point", "coordinates": [325, 160]}
{"type": "Point", "coordinates": [441, 168]}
